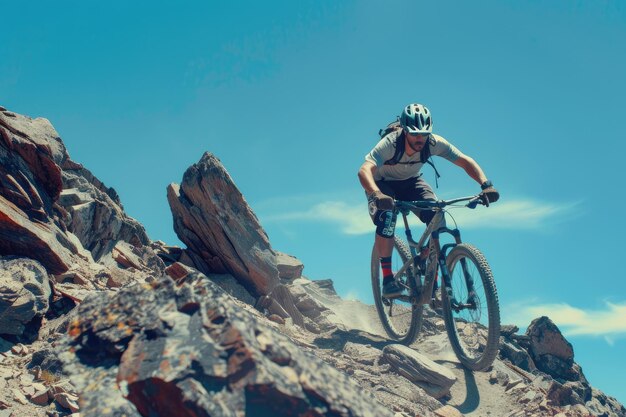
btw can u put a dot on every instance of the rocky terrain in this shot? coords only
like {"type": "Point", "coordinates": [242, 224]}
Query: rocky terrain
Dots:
{"type": "Point", "coordinates": [98, 320]}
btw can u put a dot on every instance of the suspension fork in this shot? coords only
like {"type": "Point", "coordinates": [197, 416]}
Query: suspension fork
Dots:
{"type": "Point", "coordinates": [442, 258]}
{"type": "Point", "coordinates": [445, 273]}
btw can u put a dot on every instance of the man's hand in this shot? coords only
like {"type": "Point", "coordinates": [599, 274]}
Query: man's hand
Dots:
{"type": "Point", "coordinates": [382, 201]}
{"type": "Point", "coordinates": [489, 195]}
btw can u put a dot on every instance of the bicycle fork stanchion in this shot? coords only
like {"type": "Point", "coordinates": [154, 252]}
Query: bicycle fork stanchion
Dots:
{"type": "Point", "coordinates": [469, 280]}
{"type": "Point", "coordinates": [441, 260]}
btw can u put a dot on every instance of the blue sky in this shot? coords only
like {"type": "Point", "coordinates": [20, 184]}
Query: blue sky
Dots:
{"type": "Point", "coordinates": [290, 96]}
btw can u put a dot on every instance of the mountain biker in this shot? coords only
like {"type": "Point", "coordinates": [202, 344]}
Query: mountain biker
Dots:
{"type": "Point", "coordinates": [384, 180]}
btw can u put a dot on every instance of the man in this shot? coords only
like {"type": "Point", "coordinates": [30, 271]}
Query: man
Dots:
{"type": "Point", "coordinates": [385, 177]}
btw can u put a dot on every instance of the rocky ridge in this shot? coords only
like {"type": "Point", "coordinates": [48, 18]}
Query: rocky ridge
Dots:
{"type": "Point", "coordinates": [97, 319]}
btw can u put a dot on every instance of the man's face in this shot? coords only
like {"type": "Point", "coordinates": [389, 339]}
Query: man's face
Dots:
{"type": "Point", "coordinates": [417, 141]}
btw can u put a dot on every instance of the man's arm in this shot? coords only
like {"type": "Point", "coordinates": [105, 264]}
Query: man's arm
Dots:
{"type": "Point", "coordinates": [366, 177]}
{"type": "Point", "coordinates": [472, 168]}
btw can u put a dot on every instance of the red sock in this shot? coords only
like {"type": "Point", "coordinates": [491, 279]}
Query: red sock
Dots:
{"type": "Point", "coordinates": [385, 264]}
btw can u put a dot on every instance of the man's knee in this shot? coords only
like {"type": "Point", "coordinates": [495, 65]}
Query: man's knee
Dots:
{"type": "Point", "coordinates": [385, 222]}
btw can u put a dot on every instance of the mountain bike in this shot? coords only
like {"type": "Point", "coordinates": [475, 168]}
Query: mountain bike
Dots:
{"type": "Point", "coordinates": [469, 300]}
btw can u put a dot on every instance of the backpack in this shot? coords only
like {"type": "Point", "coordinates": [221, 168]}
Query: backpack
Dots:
{"type": "Point", "coordinates": [425, 156]}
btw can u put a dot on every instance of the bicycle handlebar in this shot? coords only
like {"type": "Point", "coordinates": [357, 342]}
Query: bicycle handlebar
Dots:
{"type": "Point", "coordinates": [474, 200]}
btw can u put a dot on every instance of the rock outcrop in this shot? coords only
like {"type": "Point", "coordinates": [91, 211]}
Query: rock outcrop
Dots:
{"type": "Point", "coordinates": [222, 233]}
{"type": "Point", "coordinates": [95, 214]}
{"type": "Point", "coordinates": [52, 209]}
{"type": "Point", "coordinates": [30, 184]}
{"type": "Point", "coordinates": [187, 351]}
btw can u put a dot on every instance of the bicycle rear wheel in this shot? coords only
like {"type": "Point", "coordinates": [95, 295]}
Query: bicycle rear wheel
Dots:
{"type": "Point", "coordinates": [472, 320]}
{"type": "Point", "coordinates": [401, 319]}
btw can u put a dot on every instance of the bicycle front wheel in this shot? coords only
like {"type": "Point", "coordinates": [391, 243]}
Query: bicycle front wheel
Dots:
{"type": "Point", "coordinates": [401, 319]}
{"type": "Point", "coordinates": [471, 310]}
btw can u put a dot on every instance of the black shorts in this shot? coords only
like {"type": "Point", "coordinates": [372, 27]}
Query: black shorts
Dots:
{"type": "Point", "coordinates": [410, 190]}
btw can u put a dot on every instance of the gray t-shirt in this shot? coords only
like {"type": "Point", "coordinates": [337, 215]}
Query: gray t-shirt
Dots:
{"type": "Point", "coordinates": [408, 166]}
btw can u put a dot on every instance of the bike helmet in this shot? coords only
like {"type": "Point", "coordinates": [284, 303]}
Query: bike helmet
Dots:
{"type": "Point", "coordinates": [416, 119]}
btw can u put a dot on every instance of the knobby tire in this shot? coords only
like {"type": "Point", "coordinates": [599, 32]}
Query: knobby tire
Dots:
{"type": "Point", "coordinates": [466, 334]}
{"type": "Point", "coordinates": [406, 333]}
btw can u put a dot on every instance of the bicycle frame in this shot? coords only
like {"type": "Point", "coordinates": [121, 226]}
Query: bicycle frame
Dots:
{"type": "Point", "coordinates": [422, 291]}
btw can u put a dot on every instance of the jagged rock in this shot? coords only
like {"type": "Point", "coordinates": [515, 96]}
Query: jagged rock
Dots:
{"type": "Point", "coordinates": [604, 406]}
{"type": "Point", "coordinates": [96, 215]}
{"type": "Point", "coordinates": [52, 208]}
{"type": "Point", "coordinates": [305, 303]}
{"type": "Point", "coordinates": [560, 395]}
{"type": "Point", "coordinates": [24, 293]}
{"type": "Point", "coordinates": [40, 397]}
{"type": "Point", "coordinates": [178, 271]}
{"type": "Point", "coordinates": [46, 359]}
{"type": "Point", "coordinates": [285, 299]}
{"type": "Point", "coordinates": [169, 254]}
{"type": "Point", "coordinates": [435, 379]}
{"type": "Point", "coordinates": [39, 147]}
{"type": "Point", "coordinates": [551, 352]}
{"type": "Point", "coordinates": [30, 183]}
{"type": "Point", "coordinates": [289, 267]}
{"type": "Point", "coordinates": [518, 356]}
{"type": "Point", "coordinates": [581, 389]}
{"type": "Point", "coordinates": [546, 339]}
{"type": "Point", "coordinates": [187, 351]}
{"type": "Point", "coordinates": [136, 258]}
{"type": "Point", "coordinates": [214, 220]}
{"type": "Point", "coordinates": [67, 401]}
{"type": "Point", "coordinates": [43, 241]}
{"type": "Point", "coordinates": [508, 329]}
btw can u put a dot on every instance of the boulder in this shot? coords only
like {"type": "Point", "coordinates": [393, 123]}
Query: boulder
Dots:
{"type": "Point", "coordinates": [435, 379]}
{"type": "Point", "coordinates": [24, 293]}
{"type": "Point", "coordinates": [551, 352]}
{"type": "Point", "coordinates": [189, 351]}
{"type": "Point", "coordinates": [215, 222]}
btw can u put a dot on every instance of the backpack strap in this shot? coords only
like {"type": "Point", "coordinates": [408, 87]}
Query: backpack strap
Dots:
{"type": "Point", "coordinates": [400, 140]}
{"type": "Point", "coordinates": [426, 158]}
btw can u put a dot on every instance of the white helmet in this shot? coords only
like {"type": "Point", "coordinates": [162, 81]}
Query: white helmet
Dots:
{"type": "Point", "coordinates": [416, 119]}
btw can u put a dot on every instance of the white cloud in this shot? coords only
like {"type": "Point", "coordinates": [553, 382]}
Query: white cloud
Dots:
{"type": "Point", "coordinates": [353, 219]}
{"type": "Point", "coordinates": [608, 322]}
{"type": "Point", "coordinates": [516, 214]}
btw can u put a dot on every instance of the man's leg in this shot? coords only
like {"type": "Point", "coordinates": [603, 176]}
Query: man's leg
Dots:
{"type": "Point", "coordinates": [384, 246]}
{"type": "Point", "coordinates": [383, 243]}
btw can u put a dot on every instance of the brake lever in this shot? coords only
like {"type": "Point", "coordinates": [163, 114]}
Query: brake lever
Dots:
{"type": "Point", "coordinates": [474, 202]}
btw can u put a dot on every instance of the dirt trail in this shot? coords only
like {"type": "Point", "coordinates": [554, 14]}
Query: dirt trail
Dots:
{"type": "Point", "coordinates": [472, 394]}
